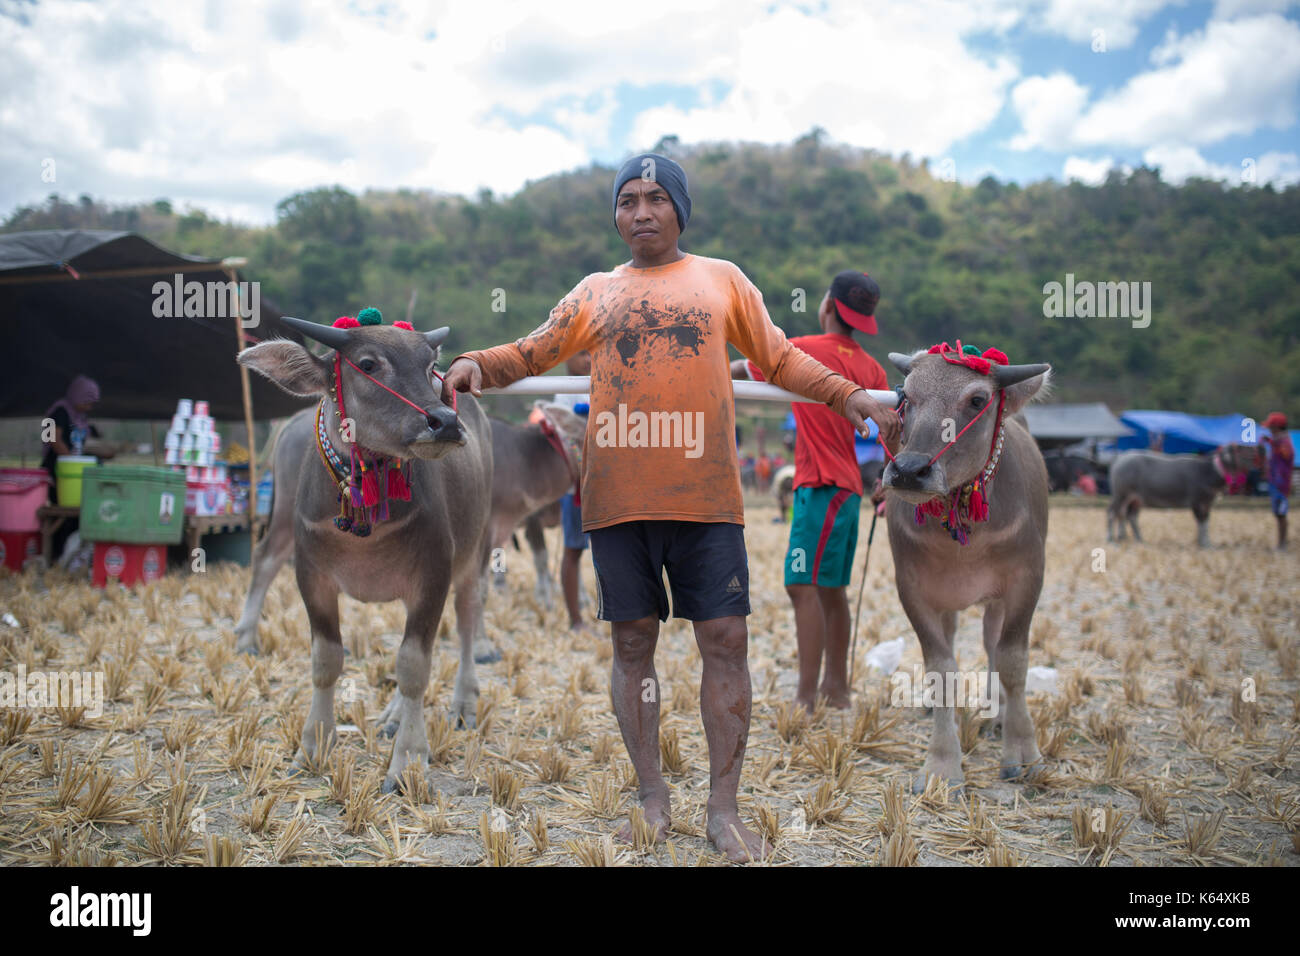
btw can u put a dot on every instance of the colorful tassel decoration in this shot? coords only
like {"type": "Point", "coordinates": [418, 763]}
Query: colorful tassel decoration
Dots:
{"type": "Point", "coordinates": [397, 485]}
{"type": "Point", "coordinates": [369, 488]}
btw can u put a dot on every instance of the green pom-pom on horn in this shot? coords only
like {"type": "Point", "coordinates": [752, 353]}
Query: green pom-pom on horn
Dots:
{"type": "Point", "coordinates": [966, 349]}
{"type": "Point", "coordinates": [370, 316]}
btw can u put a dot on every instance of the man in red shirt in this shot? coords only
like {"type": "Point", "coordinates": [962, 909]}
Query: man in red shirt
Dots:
{"type": "Point", "coordinates": [828, 491]}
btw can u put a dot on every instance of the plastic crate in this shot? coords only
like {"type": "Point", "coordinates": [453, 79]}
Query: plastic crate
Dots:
{"type": "Point", "coordinates": [128, 564]}
{"type": "Point", "coordinates": [132, 504]}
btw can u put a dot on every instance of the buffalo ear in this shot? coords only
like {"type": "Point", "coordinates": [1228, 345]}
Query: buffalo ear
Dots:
{"type": "Point", "coordinates": [1025, 390]}
{"type": "Point", "coordinates": [901, 362]}
{"type": "Point", "coordinates": [289, 365]}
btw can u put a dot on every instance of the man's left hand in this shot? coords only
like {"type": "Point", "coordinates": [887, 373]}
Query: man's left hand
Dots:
{"type": "Point", "coordinates": [862, 406]}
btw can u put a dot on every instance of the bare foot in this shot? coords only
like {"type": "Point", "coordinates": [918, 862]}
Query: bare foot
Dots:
{"type": "Point", "coordinates": [837, 698]}
{"type": "Point", "coordinates": [579, 627]}
{"type": "Point", "coordinates": [657, 819]}
{"type": "Point", "coordinates": [734, 840]}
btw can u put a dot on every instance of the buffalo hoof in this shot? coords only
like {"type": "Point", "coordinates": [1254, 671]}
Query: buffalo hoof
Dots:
{"type": "Point", "coordinates": [488, 657]}
{"type": "Point", "coordinates": [390, 729]}
{"type": "Point", "coordinates": [1022, 772]}
{"type": "Point", "coordinates": [462, 721]}
{"type": "Point", "coordinates": [390, 785]}
{"type": "Point", "coordinates": [248, 647]}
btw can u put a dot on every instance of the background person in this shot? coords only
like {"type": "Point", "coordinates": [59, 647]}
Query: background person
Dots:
{"type": "Point", "coordinates": [827, 491]}
{"type": "Point", "coordinates": [1281, 461]}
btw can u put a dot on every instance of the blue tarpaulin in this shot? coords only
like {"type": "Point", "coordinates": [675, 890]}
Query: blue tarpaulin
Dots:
{"type": "Point", "coordinates": [1179, 433]}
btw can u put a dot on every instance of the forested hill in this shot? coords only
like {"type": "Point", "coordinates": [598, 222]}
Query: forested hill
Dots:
{"type": "Point", "coordinates": [954, 261]}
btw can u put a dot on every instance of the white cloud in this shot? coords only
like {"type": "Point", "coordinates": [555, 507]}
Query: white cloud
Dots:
{"type": "Point", "coordinates": [1231, 79]}
{"type": "Point", "coordinates": [1179, 163]}
{"type": "Point", "coordinates": [1048, 107]}
{"type": "Point", "coordinates": [918, 89]}
{"type": "Point", "coordinates": [1091, 172]}
{"type": "Point", "coordinates": [1118, 20]}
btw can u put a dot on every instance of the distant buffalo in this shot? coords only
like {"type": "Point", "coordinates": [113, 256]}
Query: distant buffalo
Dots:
{"type": "Point", "coordinates": [1155, 480]}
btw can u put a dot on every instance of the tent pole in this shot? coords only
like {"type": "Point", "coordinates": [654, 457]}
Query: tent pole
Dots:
{"type": "Point", "coordinates": [248, 423]}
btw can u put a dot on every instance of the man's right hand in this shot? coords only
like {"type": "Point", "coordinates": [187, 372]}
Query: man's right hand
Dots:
{"type": "Point", "coordinates": [463, 375]}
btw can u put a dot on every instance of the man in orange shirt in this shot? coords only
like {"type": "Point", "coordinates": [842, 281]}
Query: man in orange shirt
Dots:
{"type": "Point", "coordinates": [660, 477]}
{"type": "Point", "coordinates": [828, 491]}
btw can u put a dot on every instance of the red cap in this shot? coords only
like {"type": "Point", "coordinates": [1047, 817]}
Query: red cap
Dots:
{"type": "Point", "coordinates": [855, 295]}
{"type": "Point", "coordinates": [1275, 420]}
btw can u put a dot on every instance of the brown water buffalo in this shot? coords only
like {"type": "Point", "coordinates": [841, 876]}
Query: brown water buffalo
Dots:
{"type": "Point", "coordinates": [1156, 480]}
{"type": "Point", "coordinates": [426, 545]}
{"type": "Point", "coordinates": [1001, 563]}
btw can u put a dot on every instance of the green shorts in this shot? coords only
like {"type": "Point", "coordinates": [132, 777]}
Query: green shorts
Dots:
{"type": "Point", "coordinates": [823, 537]}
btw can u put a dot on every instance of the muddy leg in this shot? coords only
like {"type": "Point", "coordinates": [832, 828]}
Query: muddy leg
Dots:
{"type": "Point", "coordinates": [635, 690]}
{"type": "Point", "coordinates": [810, 637]}
{"type": "Point", "coordinates": [1133, 510]}
{"type": "Point", "coordinates": [272, 551]}
{"type": "Point", "coordinates": [470, 630]}
{"type": "Point", "coordinates": [1202, 515]}
{"type": "Point", "coordinates": [1020, 756]}
{"type": "Point", "coordinates": [995, 697]}
{"type": "Point", "coordinates": [414, 657]}
{"type": "Point", "coordinates": [725, 702]}
{"type": "Point", "coordinates": [935, 629]}
{"type": "Point", "coordinates": [322, 600]}
{"type": "Point", "coordinates": [544, 589]}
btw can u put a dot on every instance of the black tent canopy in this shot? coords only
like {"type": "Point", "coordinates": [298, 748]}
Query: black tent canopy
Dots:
{"type": "Point", "coordinates": [82, 302]}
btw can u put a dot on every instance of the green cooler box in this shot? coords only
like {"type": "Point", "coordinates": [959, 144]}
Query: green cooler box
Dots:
{"type": "Point", "coordinates": [132, 504]}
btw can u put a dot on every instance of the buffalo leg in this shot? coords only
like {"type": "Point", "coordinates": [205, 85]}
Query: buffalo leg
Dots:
{"type": "Point", "coordinates": [414, 657]}
{"type": "Point", "coordinates": [994, 693]}
{"type": "Point", "coordinates": [545, 586]}
{"type": "Point", "coordinates": [1202, 514]}
{"type": "Point", "coordinates": [943, 758]}
{"type": "Point", "coordinates": [1132, 512]}
{"type": "Point", "coordinates": [321, 596]}
{"type": "Point", "coordinates": [1020, 756]}
{"type": "Point", "coordinates": [268, 558]}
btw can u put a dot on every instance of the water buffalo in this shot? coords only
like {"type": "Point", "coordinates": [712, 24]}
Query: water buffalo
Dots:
{"type": "Point", "coordinates": [995, 560]}
{"type": "Point", "coordinates": [530, 474]}
{"type": "Point", "coordinates": [1156, 480]}
{"type": "Point", "coordinates": [425, 545]}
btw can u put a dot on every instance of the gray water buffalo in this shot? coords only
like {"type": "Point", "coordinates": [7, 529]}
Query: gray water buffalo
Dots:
{"type": "Point", "coordinates": [996, 561]}
{"type": "Point", "coordinates": [424, 545]}
{"type": "Point", "coordinates": [531, 476]}
{"type": "Point", "coordinates": [1156, 480]}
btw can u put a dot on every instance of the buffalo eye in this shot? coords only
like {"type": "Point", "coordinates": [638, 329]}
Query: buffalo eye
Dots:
{"type": "Point", "coordinates": [366, 365]}
{"type": "Point", "coordinates": [977, 402]}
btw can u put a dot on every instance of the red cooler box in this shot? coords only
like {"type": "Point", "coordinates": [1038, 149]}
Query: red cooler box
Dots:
{"type": "Point", "coordinates": [129, 563]}
{"type": "Point", "coordinates": [17, 546]}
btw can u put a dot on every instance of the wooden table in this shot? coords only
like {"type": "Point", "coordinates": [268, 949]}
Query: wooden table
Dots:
{"type": "Point", "coordinates": [196, 527]}
{"type": "Point", "coordinates": [52, 518]}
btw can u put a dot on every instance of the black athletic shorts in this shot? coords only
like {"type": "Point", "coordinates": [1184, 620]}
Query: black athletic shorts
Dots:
{"type": "Point", "coordinates": [706, 564]}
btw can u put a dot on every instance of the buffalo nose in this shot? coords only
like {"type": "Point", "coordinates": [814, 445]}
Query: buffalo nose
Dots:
{"type": "Point", "coordinates": [444, 424]}
{"type": "Point", "coordinates": [910, 469]}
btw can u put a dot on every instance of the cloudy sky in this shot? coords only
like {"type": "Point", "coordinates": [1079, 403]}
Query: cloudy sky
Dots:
{"type": "Point", "coordinates": [232, 105]}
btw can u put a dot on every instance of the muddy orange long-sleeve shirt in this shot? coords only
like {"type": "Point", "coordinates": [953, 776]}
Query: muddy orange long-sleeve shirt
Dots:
{"type": "Point", "coordinates": [661, 432]}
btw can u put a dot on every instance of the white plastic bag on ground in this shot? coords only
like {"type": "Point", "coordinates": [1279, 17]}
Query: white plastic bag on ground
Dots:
{"type": "Point", "coordinates": [1040, 679]}
{"type": "Point", "coordinates": [886, 656]}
